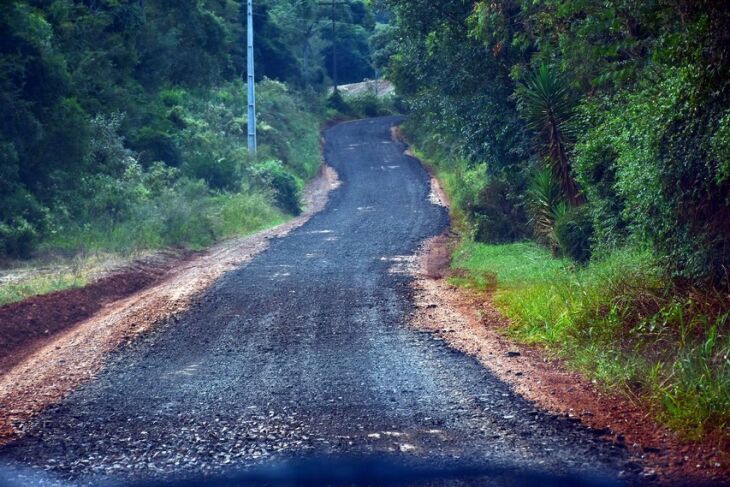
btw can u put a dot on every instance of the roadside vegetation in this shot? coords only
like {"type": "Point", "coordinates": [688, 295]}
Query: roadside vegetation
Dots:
{"type": "Point", "coordinates": [124, 125]}
{"type": "Point", "coordinates": [17, 288]}
{"type": "Point", "coordinates": [614, 320]}
{"type": "Point", "coordinates": [584, 146]}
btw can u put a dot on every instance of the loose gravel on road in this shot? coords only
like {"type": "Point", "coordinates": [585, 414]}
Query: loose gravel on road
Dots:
{"type": "Point", "coordinates": [306, 349]}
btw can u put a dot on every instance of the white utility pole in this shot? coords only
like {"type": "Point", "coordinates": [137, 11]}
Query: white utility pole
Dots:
{"type": "Point", "coordinates": [250, 81]}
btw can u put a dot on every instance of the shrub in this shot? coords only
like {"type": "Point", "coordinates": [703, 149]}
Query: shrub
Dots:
{"type": "Point", "coordinates": [107, 152]}
{"type": "Point", "coordinates": [596, 173]}
{"type": "Point", "coordinates": [497, 216]}
{"type": "Point", "coordinates": [545, 204]}
{"type": "Point", "coordinates": [17, 239]}
{"type": "Point", "coordinates": [336, 102]}
{"type": "Point", "coordinates": [154, 143]}
{"type": "Point", "coordinates": [720, 150]}
{"type": "Point", "coordinates": [271, 174]}
{"type": "Point", "coordinates": [220, 170]}
{"type": "Point", "coordinates": [660, 147]}
{"type": "Point", "coordinates": [289, 128]}
{"type": "Point", "coordinates": [23, 222]}
{"type": "Point", "coordinates": [367, 105]}
{"type": "Point", "coordinates": [573, 233]}
{"type": "Point", "coordinates": [172, 97]}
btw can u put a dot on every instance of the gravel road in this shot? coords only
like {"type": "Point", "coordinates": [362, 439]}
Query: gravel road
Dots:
{"type": "Point", "coordinates": [307, 350]}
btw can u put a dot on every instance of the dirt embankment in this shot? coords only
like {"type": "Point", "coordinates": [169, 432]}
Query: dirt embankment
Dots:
{"type": "Point", "coordinates": [60, 340]}
{"type": "Point", "coordinates": [27, 325]}
{"type": "Point", "coordinates": [469, 322]}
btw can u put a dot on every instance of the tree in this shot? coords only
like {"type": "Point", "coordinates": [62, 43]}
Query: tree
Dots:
{"type": "Point", "coordinates": [546, 106]}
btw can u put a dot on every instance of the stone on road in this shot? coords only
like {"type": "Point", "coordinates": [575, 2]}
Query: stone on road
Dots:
{"type": "Point", "coordinates": [307, 350]}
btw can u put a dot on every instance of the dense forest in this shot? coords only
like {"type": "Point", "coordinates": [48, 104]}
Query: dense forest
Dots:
{"type": "Point", "coordinates": [600, 130]}
{"type": "Point", "coordinates": [123, 121]}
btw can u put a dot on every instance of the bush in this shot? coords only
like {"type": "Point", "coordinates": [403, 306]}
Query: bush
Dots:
{"type": "Point", "coordinates": [18, 239]}
{"type": "Point", "coordinates": [154, 143]}
{"type": "Point", "coordinates": [272, 175]}
{"type": "Point", "coordinates": [289, 127]}
{"type": "Point", "coordinates": [23, 222]}
{"type": "Point", "coordinates": [220, 170]}
{"type": "Point", "coordinates": [545, 204]}
{"type": "Point", "coordinates": [574, 232]}
{"type": "Point", "coordinates": [336, 102]}
{"type": "Point", "coordinates": [365, 105]}
{"type": "Point", "coordinates": [652, 163]}
{"type": "Point", "coordinates": [496, 214]}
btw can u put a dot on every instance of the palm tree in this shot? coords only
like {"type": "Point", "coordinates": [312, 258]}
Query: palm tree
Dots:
{"type": "Point", "coordinates": [546, 205]}
{"type": "Point", "coordinates": [546, 106]}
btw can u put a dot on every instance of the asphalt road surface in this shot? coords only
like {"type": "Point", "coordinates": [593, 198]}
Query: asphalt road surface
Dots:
{"type": "Point", "coordinates": [306, 350]}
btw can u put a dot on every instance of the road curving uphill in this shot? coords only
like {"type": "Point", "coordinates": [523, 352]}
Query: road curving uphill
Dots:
{"type": "Point", "coordinates": [306, 349]}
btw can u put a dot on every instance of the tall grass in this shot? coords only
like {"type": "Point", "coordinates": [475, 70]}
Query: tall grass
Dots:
{"type": "Point", "coordinates": [619, 321]}
{"type": "Point", "coordinates": [461, 181]}
{"type": "Point", "coordinates": [174, 219]}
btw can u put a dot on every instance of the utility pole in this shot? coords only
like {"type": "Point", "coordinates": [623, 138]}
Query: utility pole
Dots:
{"type": "Point", "coordinates": [251, 82]}
{"type": "Point", "coordinates": [334, 4]}
{"type": "Point", "coordinates": [334, 48]}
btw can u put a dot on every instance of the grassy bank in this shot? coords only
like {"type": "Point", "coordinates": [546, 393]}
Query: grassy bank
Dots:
{"type": "Point", "coordinates": [173, 220]}
{"type": "Point", "coordinates": [23, 283]}
{"type": "Point", "coordinates": [74, 258]}
{"type": "Point", "coordinates": [618, 320]}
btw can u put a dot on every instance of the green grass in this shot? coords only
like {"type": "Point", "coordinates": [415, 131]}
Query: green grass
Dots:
{"type": "Point", "coordinates": [175, 221]}
{"type": "Point", "coordinates": [508, 266]}
{"type": "Point", "coordinates": [244, 214]}
{"type": "Point", "coordinates": [39, 284]}
{"type": "Point", "coordinates": [461, 181]}
{"type": "Point", "coordinates": [618, 321]}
